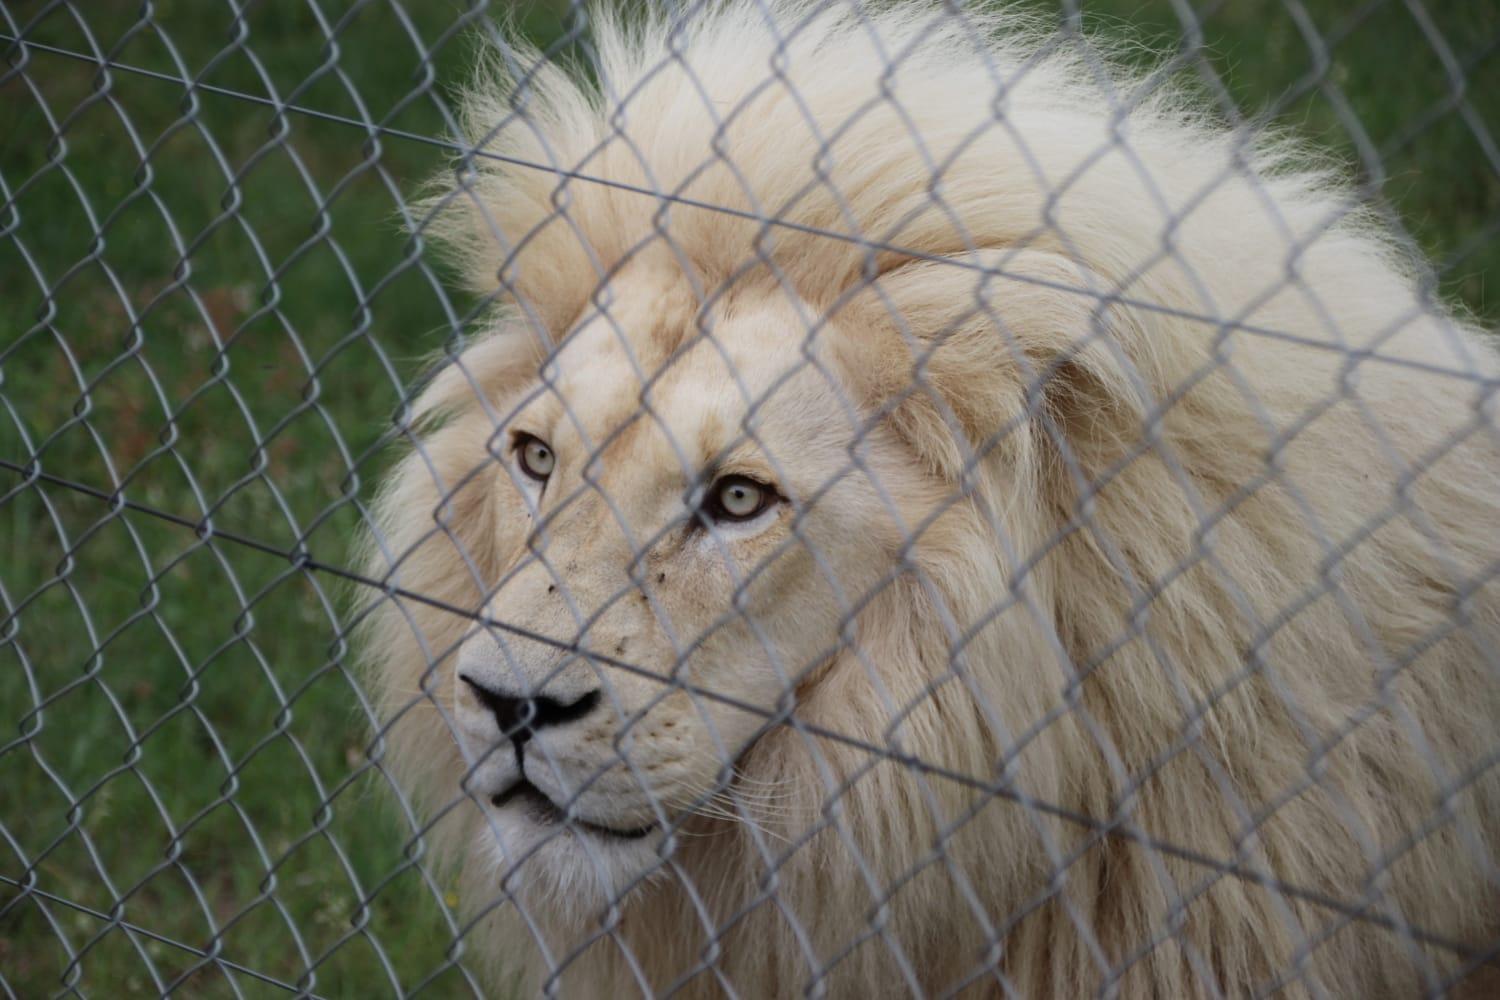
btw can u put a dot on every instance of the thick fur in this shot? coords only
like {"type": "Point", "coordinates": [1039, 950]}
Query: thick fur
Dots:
{"type": "Point", "coordinates": [1160, 499]}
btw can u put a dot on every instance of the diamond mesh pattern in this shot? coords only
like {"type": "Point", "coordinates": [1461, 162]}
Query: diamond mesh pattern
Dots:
{"type": "Point", "coordinates": [215, 300]}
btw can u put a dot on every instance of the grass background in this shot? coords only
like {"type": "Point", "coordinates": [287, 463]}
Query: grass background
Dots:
{"type": "Point", "coordinates": [215, 306]}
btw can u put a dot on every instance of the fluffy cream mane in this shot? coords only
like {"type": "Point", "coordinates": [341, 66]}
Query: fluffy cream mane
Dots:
{"type": "Point", "coordinates": [1202, 666]}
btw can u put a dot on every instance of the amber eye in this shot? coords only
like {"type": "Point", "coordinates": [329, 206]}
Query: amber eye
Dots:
{"type": "Point", "coordinates": [737, 498]}
{"type": "Point", "coordinates": [536, 457]}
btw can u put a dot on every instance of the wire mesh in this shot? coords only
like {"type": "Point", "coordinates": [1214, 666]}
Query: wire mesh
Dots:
{"type": "Point", "coordinates": [857, 499]}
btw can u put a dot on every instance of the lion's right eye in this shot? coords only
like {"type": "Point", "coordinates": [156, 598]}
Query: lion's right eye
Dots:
{"type": "Point", "coordinates": [535, 456]}
{"type": "Point", "coordinates": [737, 498]}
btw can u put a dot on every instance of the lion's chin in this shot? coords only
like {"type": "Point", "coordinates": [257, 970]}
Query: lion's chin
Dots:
{"type": "Point", "coordinates": [571, 868]}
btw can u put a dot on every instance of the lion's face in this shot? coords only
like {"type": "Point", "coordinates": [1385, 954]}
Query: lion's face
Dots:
{"type": "Point", "coordinates": [701, 535]}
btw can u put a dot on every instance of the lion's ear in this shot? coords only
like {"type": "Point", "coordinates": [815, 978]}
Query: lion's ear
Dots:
{"type": "Point", "coordinates": [1001, 351]}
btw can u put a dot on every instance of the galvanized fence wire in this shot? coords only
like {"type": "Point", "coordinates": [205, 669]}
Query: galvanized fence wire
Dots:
{"type": "Point", "coordinates": [71, 492]}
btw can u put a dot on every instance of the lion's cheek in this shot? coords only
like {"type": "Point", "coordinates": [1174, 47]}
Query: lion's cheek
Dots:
{"type": "Point", "coordinates": [740, 696]}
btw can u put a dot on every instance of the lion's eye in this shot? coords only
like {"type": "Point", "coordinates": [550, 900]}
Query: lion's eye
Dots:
{"type": "Point", "coordinates": [535, 456]}
{"type": "Point", "coordinates": [738, 498]}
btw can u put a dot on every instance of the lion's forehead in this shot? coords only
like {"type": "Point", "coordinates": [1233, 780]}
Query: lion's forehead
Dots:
{"type": "Point", "coordinates": [746, 367]}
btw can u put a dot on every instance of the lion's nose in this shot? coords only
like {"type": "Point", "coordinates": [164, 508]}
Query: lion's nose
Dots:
{"type": "Point", "coordinates": [520, 718]}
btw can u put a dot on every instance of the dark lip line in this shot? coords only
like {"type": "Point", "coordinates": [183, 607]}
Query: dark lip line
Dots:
{"type": "Point", "coordinates": [550, 809]}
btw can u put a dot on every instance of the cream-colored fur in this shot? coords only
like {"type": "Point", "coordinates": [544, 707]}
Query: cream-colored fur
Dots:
{"type": "Point", "coordinates": [1132, 487]}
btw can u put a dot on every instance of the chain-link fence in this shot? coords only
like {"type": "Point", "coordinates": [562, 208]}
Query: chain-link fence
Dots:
{"type": "Point", "coordinates": [911, 498]}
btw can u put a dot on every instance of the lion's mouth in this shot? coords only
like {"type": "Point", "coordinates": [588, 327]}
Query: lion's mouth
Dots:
{"type": "Point", "coordinates": [543, 810]}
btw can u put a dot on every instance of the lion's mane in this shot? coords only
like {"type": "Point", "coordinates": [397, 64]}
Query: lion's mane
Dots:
{"type": "Point", "coordinates": [1221, 629]}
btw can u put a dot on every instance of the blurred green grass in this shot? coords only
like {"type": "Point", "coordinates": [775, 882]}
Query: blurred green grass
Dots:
{"type": "Point", "coordinates": [183, 747]}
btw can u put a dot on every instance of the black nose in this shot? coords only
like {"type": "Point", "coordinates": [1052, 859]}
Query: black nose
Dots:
{"type": "Point", "coordinates": [521, 718]}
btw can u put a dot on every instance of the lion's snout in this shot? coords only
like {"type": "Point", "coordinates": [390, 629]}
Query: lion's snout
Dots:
{"type": "Point", "coordinates": [510, 689]}
{"type": "Point", "coordinates": [520, 716]}
{"type": "Point", "coordinates": [533, 716]}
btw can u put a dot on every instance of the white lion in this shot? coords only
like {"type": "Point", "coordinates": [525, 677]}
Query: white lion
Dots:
{"type": "Point", "coordinates": [934, 512]}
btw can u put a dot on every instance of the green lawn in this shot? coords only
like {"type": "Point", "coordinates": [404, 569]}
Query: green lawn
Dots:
{"type": "Point", "coordinates": [182, 748]}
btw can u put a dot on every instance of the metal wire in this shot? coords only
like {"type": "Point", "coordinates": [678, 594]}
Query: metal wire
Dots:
{"type": "Point", "coordinates": [64, 856]}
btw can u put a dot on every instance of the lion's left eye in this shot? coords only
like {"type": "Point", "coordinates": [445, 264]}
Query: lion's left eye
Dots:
{"type": "Point", "coordinates": [738, 498]}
